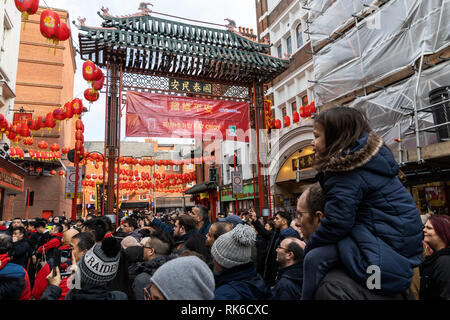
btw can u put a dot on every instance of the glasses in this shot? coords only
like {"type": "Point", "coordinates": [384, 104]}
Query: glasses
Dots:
{"type": "Point", "coordinates": [147, 294]}
{"type": "Point", "coordinates": [147, 247]}
{"type": "Point", "coordinates": [280, 247]}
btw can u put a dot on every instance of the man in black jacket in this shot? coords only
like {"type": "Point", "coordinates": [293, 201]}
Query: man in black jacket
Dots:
{"type": "Point", "coordinates": [21, 250]}
{"type": "Point", "coordinates": [282, 231]}
{"type": "Point", "coordinates": [290, 272]}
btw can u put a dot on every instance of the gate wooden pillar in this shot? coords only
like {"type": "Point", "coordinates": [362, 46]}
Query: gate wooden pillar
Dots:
{"type": "Point", "coordinates": [112, 133]}
{"type": "Point", "coordinates": [258, 102]}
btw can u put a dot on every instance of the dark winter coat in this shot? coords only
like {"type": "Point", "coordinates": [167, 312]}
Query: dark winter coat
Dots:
{"type": "Point", "coordinates": [289, 283]}
{"type": "Point", "coordinates": [33, 239]}
{"type": "Point", "coordinates": [97, 293]}
{"type": "Point", "coordinates": [338, 285]}
{"type": "Point", "coordinates": [20, 252]}
{"type": "Point", "coordinates": [270, 260]}
{"type": "Point", "coordinates": [241, 283]}
{"type": "Point", "coordinates": [435, 276]}
{"type": "Point", "coordinates": [144, 271]}
{"type": "Point", "coordinates": [205, 227]}
{"type": "Point", "coordinates": [370, 215]}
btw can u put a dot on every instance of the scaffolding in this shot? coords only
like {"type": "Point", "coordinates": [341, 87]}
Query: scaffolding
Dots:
{"type": "Point", "coordinates": [389, 58]}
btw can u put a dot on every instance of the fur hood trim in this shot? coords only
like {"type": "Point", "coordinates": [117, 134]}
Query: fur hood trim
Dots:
{"type": "Point", "coordinates": [351, 161]}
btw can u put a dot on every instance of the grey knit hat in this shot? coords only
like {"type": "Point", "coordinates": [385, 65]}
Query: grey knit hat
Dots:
{"type": "Point", "coordinates": [234, 247]}
{"type": "Point", "coordinates": [96, 268]}
{"type": "Point", "coordinates": [185, 278]}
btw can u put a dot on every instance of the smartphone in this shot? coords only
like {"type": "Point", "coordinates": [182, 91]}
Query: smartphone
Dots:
{"type": "Point", "coordinates": [56, 261]}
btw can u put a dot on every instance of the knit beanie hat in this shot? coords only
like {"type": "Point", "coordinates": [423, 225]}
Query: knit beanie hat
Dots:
{"type": "Point", "coordinates": [185, 278]}
{"type": "Point", "coordinates": [234, 247]}
{"type": "Point", "coordinates": [99, 265]}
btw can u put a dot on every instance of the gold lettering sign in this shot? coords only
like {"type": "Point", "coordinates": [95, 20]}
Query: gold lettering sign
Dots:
{"type": "Point", "coordinates": [305, 162]}
{"type": "Point", "coordinates": [190, 86]}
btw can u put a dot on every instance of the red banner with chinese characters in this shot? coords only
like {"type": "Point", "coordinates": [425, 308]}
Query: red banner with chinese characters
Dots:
{"type": "Point", "coordinates": [159, 115]}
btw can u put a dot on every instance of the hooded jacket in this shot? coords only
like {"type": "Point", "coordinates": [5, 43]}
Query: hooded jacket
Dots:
{"type": "Point", "coordinates": [435, 276]}
{"type": "Point", "coordinates": [289, 283]}
{"type": "Point", "coordinates": [241, 283]}
{"type": "Point", "coordinates": [144, 272]}
{"type": "Point", "coordinates": [370, 215]}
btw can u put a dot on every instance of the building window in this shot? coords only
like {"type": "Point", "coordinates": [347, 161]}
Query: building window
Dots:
{"type": "Point", "coordinates": [156, 167]}
{"type": "Point", "coordinates": [279, 51]}
{"type": "Point", "coordinates": [190, 184]}
{"type": "Point", "coordinates": [294, 107]}
{"type": "Point", "coordinates": [125, 197]}
{"type": "Point", "coordinates": [167, 167]}
{"type": "Point", "coordinates": [190, 166]}
{"type": "Point", "coordinates": [299, 35]}
{"type": "Point", "coordinates": [176, 168]}
{"type": "Point", "coordinates": [92, 198]}
{"type": "Point", "coordinates": [289, 45]}
{"type": "Point", "coordinates": [284, 112]}
{"type": "Point", "coordinates": [142, 197]}
{"type": "Point", "coordinates": [304, 100]}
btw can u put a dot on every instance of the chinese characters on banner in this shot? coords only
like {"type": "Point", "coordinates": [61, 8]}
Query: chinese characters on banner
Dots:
{"type": "Point", "coordinates": [159, 115]}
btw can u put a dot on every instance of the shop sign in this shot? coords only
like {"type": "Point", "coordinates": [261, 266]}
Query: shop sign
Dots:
{"type": "Point", "coordinates": [10, 180]}
{"type": "Point", "coordinates": [304, 162]}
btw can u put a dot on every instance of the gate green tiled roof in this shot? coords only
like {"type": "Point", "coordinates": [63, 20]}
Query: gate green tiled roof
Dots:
{"type": "Point", "coordinates": [144, 43]}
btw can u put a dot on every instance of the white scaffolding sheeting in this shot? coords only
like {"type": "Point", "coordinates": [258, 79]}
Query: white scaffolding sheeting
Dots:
{"type": "Point", "coordinates": [342, 11]}
{"type": "Point", "coordinates": [387, 41]}
{"type": "Point", "coordinates": [390, 111]}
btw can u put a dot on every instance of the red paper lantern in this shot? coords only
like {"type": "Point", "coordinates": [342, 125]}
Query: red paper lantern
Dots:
{"type": "Point", "coordinates": [68, 111]}
{"type": "Point", "coordinates": [27, 7]}
{"type": "Point", "coordinates": [79, 147]}
{"type": "Point", "coordinates": [295, 117]}
{"type": "Point", "coordinates": [50, 121]}
{"type": "Point", "coordinates": [50, 24]}
{"type": "Point", "coordinates": [65, 150]}
{"type": "Point", "coordinates": [52, 172]}
{"type": "Point", "coordinates": [80, 126]}
{"type": "Point", "coordinates": [277, 124]}
{"type": "Point", "coordinates": [98, 84]}
{"type": "Point", "coordinates": [43, 145]}
{"type": "Point", "coordinates": [61, 173]}
{"type": "Point", "coordinates": [38, 169]}
{"type": "Point", "coordinates": [91, 95]}
{"type": "Point", "coordinates": [307, 111]}
{"type": "Point", "coordinates": [54, 147]}
{"type": "Point", "coordinates": [28, 141]}
{"type": "Point", "coordinates": [79, 136]}
{"type": "Point", "coordinates": [88, 70]}
{"type": "Point", "coordinates": [77, 106]}
{"type": "Point", "coordinates": [302, 112]}
{"type": "Point", "coordinates": [59, 114]}
{"type": "Point", "coordinates": [287, 121]}
{"type": "Point", "coordinates": [312, 106]}
{"type": "Point", "coordinates": [63, 32]}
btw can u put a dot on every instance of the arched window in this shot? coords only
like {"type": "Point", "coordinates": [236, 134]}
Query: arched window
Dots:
{"type": "Point", "coordinates": [299, 35]}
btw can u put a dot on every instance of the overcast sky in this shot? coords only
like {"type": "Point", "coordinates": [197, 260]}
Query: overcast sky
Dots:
{"type": "Point", "coordinates": [215, 11]}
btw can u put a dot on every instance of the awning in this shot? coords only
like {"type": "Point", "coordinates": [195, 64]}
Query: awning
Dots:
{"type": "Point", "coordinates": [429, 170]}
{"type": "Point", "coordinates": [133, 205]}
{"type": "Point", "coordinates": [202, 187]}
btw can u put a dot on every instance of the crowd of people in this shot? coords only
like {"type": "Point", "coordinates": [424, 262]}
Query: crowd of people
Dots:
{"type": "Point", "coordinates": [356, 235]}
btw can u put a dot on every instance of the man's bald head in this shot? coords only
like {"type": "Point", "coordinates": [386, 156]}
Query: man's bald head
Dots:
{"type": "Point", "coordinates": [67, 235]}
